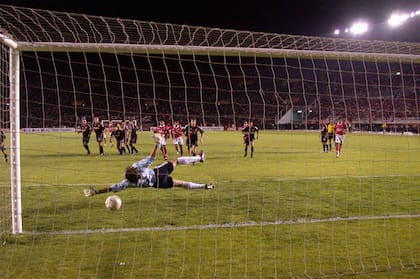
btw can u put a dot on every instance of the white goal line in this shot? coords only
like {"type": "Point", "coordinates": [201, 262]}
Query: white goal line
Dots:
{"type": "Point", "coordinates": [229, 225]}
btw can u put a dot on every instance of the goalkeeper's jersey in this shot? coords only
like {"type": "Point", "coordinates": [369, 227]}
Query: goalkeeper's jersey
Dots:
{"type": "Point", "coordinates": [147, 176]}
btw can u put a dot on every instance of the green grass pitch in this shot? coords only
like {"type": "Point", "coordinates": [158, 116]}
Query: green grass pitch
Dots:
{"type": "Point", "coordinates": [291, 211]}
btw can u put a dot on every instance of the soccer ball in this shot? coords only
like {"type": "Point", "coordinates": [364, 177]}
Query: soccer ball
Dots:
{"type": "Point", "coordinates": [113, 202]}
{"type": "Point", "coordinates": [157, 138]}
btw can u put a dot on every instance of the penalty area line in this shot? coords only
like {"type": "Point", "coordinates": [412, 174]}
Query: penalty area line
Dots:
{"type": "Point", "coordinates": [227, 225]}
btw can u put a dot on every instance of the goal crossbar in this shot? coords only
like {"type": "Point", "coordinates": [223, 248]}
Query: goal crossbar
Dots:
{"type": "Point", "coordinates": [220, 51]}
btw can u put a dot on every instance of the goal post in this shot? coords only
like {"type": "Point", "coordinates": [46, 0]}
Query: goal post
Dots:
{"type": "Point", "coordinates": [15, 167]}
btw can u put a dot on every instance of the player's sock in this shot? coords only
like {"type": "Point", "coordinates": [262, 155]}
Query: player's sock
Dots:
{"type": "Point", "coordinates": [181, 151]}
{"type": "Point", "coordinates": [184, 160]}
{"type": "Point", "coordinates": [101, 150]}
{"type": "Point", "coordinates": [133, 149]}
{"type": "Point", "coordinates": [192, 185]}
{"type": "Point", "coordinates": [164, 151]}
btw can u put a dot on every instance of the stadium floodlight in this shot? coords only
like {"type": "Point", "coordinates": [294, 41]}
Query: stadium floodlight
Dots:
{"type": "Point", "coordinates": [397, 19]}
{"type": "Point", "coordinates": [337, 32]}
{"type": "Point", "coordinates": [359, 28]}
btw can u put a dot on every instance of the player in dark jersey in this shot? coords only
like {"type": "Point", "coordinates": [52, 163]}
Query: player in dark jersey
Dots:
{"type": "Point", "coordinates": [119, 135]}
{"type": "Point", "coordinates": [132, 135]}
{"type": "Point", "coordinates": [86, 130]}
{"type": "Point", "coordinates": [250, 134]}
{"type": "Point", "coordinates": [100, 134]}
{"type": "Point", "coordinates": [3, 145]}
{"type": "Point", "coordinates": [140, 175]}
{"type": "Point", "coordinates": [191, 132]}
{"type": "Point", "coordinates": [324, 137]}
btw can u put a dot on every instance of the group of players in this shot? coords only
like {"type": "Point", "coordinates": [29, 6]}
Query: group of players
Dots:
{"type": "Point", "coordinates": [140, 175]}
{"type": "Point", "coordinates": [332, 131]}
{"type": "Point", "coordinates": [125, 135]}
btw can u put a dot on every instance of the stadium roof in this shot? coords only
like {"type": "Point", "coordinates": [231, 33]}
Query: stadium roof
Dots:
{"type": "Point", "coordinates": [34, 29]}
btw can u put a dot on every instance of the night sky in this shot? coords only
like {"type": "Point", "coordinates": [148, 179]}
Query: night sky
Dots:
{"type": "Point", "coordinates": [297, 17]}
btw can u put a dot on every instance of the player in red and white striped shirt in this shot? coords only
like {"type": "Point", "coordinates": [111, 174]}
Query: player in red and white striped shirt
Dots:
{"type": "Point", "coordinates": [177, 137]}
{"type": "Point", "coordinates": [163, 130]}
{"type": "Point", "coordinates": [340, 129]}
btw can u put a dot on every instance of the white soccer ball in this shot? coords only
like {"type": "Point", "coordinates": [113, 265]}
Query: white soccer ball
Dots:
{"type": "Point", "coordinates": [157, 138]}
{"type": "Point", "coordinates": [113, 202]}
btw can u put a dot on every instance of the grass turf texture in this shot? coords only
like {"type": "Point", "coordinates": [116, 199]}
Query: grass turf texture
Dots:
{"type": "Point", "coordinates": [291, 211]}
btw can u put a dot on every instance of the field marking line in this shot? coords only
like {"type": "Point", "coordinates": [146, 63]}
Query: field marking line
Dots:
{"type": "Point", "coordinates": [239, 180]}
{"type": "Point", "coordinates": [229, 225]}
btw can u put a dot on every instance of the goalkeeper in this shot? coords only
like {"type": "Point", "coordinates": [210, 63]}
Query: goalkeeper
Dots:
{"type": "Point", "coordinates": [140, 175]}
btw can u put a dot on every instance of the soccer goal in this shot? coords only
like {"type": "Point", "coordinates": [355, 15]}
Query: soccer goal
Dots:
{"type": "Point", "coordinates": [282, 207]}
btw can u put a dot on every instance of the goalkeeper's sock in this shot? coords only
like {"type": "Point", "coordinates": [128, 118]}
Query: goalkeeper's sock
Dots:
{"type": "Point", "coordinates": [184, 160]}
{"type": "Point", "coordinates": [192, 185]}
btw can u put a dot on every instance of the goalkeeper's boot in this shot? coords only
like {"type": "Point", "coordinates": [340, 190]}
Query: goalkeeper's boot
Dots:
{"type": "Point", "coordinates": [89, 192]}
{"type": "Point", "coordinates": [209, 186]}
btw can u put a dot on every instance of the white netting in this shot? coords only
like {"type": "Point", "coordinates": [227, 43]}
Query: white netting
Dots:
{"type": "Point", "coordinates": [289, 212]}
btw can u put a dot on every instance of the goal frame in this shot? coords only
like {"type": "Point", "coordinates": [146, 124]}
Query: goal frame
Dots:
{"type": "Point", "coordinates": [155, 38]}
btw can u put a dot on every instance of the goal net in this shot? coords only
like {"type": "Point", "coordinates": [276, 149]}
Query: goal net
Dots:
{"type": "Point", "coordinates": [283, 206]}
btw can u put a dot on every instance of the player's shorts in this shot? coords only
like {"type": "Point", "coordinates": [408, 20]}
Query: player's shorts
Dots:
{"type": "Point", "coordinates": [121, 142]}
{"type": "Point", "coordinates": [249, 139]}
{"type": "Point", "coordinates": [192, 142]}
{"type": "Point", "coordinates": [324, 138]}
{"type": "Point", "coordinates": [330, 136]}
{"type": "Point", "coordinates": [178, 141]}
{"type": "Point", "coordinates": [86, 140]}
{"type": "Point", "coordinates": [162, 172]}
{"type": "Point", "coordinates": [100, 138]}
{"type": "Point", "coordinates": [133, 140]}
{"type": "Point", "coordinates": [339, 138]}
{"type": "Point", "coordinates": [163, 140]}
